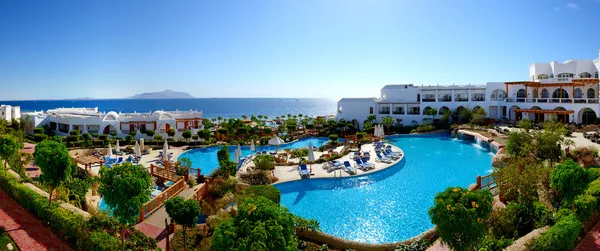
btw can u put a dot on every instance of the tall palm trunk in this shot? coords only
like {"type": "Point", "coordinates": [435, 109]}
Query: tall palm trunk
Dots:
{"type": "Point", "coordinates": [50, 197]}
{"type": "Point", "coordinates": [122, 238]}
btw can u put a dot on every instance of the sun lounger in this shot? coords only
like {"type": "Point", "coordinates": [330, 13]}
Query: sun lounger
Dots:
{"type": "Point", "coordinates": [119, 161]}
{"type": "Point", "coordinates": [390, 152]}
{"type": "Point", "coordinates": [367, 155]}
{"type": "Point", "coordinates": [366, 162]}
{"type": "Point", "coordinates": [394, 157]}
{"type": "Point", "coordinates": [349, 168]}
{"type": "Point", "coordinates": [383, 159]}
{"type": "Point", "coordinates": [303, 170]}
{"type": "Point", "coordinates": [360, 165]}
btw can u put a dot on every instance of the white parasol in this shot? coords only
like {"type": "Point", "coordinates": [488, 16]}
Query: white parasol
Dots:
{"type": "Point", "coordinates": [276, 141]}
{"type": "Point", "coordinates": [252, 148]}
{"type": "Point", "coordinates": [165, 151]}
{"type": "Point", "coordinates": [141, 146]}
{"type": "Point", "coordinates": [136, 150]}
{"type": "Point", "coordinates": [239, 149]}
{"type": "Point", "coordinates": [311, 155]}
{"type": "Point", "coordinates": [117, 147]}
{"type": "Point", "coordinates": [109, 151]}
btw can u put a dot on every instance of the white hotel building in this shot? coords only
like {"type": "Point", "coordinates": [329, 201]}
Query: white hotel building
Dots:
{"type": "Point", "coordinates": [564, 91]}
{"type": "Point", "coordinates": [90, 120]}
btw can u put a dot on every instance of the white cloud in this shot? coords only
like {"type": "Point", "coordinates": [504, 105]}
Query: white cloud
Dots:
{"type": "Point", "coordinates": [573, 6]}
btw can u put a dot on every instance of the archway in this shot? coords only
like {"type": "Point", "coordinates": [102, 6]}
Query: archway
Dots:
{"type": "Point", "coordinates": [587, 116]}
{"type": "Point", "coordinates": [356, 124]}
{"type": "Point", "coordinates": [426, 109]}
{"type": "Point", "coordinates": [591, 93]}
{"type": "Point", "coordinates": [521, 95]}
{"type": "Point", "coordinates": [537, 117]}
{"type": "Point", "coordinates": [562, 117]}
{"type": "Point", "coordinates": [475, 108]}
{"type": "Point", "coordinates": [498, 94]}
{"type": "Point", "coordinates": [443, 110]}
{"type": "Point", "coordinates": [459, 109]}
{"type": "Point", "coordinates": [512, 115]}
{"type": "Point", "coordinates": [108, 129]}
{"type": "Point", "coordinates": [545, 93]}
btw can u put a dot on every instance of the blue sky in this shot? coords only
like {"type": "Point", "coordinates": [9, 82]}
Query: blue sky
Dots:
{"type": "Point", "coordinates": [280, 48]}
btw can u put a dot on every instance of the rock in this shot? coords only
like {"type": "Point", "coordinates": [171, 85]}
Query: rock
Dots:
{"type": "Point", "coordinates": [9, 246]}
{"type": "Point", "coordinates": [499, 159]}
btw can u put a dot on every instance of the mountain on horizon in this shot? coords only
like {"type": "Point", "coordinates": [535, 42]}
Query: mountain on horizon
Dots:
{"type": "Point", "coordinates": [166, 94]}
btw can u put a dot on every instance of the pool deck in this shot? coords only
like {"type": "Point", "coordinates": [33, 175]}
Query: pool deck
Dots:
{"type": "Point", "coordinates": [290, 173]}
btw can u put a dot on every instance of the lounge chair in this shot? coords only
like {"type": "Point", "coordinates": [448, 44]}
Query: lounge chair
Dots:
{"type": "Point", "coordinates": [383, 159]}
{"type": "Point", "coordinates": [393, 157]}
{"type": "Point", "coordinates": [360, 165]}
{"type": "Point", "coordinates": [390, 152]}
{"type": "Point", "coordinates": [303, 170]}
{"type": "Point", "coordinates": [119, 161]}
{"type": "Point", "coordinates": [366, 162]}
{"type": "Point", "coordinates": [367, 155]}
{"type": "Point", "coordinates": [334, 165]}
{"type": "Point", "coordinates": [349, 168]}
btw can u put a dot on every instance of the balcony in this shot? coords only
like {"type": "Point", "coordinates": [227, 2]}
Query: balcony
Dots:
{"type": "Point", "coordinates": [445, 99]}
{"type": "Point", "coordinates": [554, 100]}
{"type": "Point", "coordinates": [398, 112]}
{"type": "Point", "coordinates": [384, 111]}
{"type": "Point", "coordinates": [461, 99]}
{"type": "Point", "coordinates": [428, 100]}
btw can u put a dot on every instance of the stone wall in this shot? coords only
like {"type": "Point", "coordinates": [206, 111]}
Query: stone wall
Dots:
{"type": "Point", "coordinates": [339, 243]}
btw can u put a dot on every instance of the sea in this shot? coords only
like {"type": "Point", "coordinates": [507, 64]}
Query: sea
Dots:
{"type": "Point", "coordinates": [211, 107]}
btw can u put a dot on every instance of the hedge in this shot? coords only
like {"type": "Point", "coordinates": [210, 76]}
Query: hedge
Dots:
{"type": "Point", "coordinates": [561, 236]}
{"type": "Point", "coordinates": [64, 224]}
{"type": "Point", "coordinates": [39, 137]}
{"type": "Point", "coordinates": [38, 130]}
{"type": "Point", "coordinates": [585, 205]}
{"type": "Point", "coordinates": [267, 191]}
{"type": "Point", "coordinates": [74, 132]}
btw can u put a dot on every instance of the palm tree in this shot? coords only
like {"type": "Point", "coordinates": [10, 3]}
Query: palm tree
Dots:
{"type": "Point", "coordinates": [387, 122]}
{"type": "Point", "coordinates": [219, 120]}
{"type": "Point", "coordinates": [372, 118]}
{"type": "Point", "coordinates": [244, 117]}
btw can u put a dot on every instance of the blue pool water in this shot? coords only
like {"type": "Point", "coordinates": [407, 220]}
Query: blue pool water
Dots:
{"type": "Point", "coordinates": [206, 158]}
{"type": "Point", "coordinates": [390, 205]}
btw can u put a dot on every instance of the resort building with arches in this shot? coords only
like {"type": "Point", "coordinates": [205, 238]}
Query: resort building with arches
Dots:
{"type": "Point", "coordinates": [90, 120]}
{"type": "Point", "coordinates": [565, 91]}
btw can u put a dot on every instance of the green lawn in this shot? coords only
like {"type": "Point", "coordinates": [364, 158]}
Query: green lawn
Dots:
{"type": "Point", "coordinates": [5, 239]}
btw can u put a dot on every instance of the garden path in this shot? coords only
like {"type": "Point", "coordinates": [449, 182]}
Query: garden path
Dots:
{"type": "Point", "coordinates": [591, 241]}
{"type": "Point", "coordinates": [27, 232]}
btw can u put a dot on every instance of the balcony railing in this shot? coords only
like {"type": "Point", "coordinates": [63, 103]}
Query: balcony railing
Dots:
{"type": "Point", "coordinates": [398, 112]}
{"type": "Point", "coordinates": [554, 100]}
{"type": "Point", "coordinates": [384, 112]}
{"type": "Point", "coordinates": [477, 99]}
{"type": "Point", "coordinates": [461, 99]}
{"type": "Point", "coordinates": [428, 100]}
{"type": "Point", "coordinates": [445, 99]}
{"type": "Point", "coordinates": [414, 113]}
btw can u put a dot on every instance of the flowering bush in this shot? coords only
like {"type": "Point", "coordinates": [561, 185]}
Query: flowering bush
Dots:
{"type": "Point", "coordinates": [460, 215]}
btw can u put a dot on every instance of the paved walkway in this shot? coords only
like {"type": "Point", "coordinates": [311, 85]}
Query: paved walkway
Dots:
{"type": "Point", "coordinates": [591, 241]}
{"type": "Point", "coordinates": [27, 232]}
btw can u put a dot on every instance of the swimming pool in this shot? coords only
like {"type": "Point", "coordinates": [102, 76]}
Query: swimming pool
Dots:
{"type": "Point", "coordinates": [206, 158]}
{"type": "Point", "coordinates": [390, 205]}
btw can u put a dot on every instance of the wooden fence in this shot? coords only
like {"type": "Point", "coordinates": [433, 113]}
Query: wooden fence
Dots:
{"type": "Point", "coordinates": [163, 172]}
{"type": "Point", "coordinates": [201, 192]}
{"type": "Point", "coordinates": [487, 182]}
{"type": "Point", "coordinates": [158, 201]}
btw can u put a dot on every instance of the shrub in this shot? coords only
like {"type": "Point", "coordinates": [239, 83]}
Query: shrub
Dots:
{"type": "Point", "coordinates": [459, 216]}
{"type": "Point", "coordinates": [563, 212]}
{"type": "Point", "coordinates": [264, 162]}
{"type": "Point", "coordinates": [425, 128]}
{"type": "Point", "coordinates": [75, 132]}
{"type": "Point", "coordinates": [561, 236]}
{"type": "Point", "coordinates": [518, 219]}
{"type": "Point", "coordinates": [585, 205]}
{"type": "Point", "coordinates": [256, 178]}
{"type": "Point", "coordinates": [72, 138]}
{"type": "Point", "coordinates": [103, 137]}
{"type": "Point", "coordinates": [361, 135]}
{"type": "Point", "coordinates": [594, 188]}
{"type": "Point", "coordinates": [333, 137]}
{"type": "Point", "coordinates": [103, 241]}
{"type": "Point", "coordinates": [221, 186]}
{"type": "Point", "coordinates": [593, 173]}
{"type": "Point", "coordinates": [195, 240]}
{"type": "Point", "coordinates": [300, 152]}
{"type": "Point", "coordinates": [38, 130]}
{"type": "Point", "coordinates": [267, 191]}
{"type": "Point", "coordinates": [39, 137]}
{"type": "Point", "coordinates": [58, 139]}
{"type": "Point", "coordinates": [418, 245]}
{"type": "Point", "coordinates": [492, 244]}
{"type": "Point", "coordinates": [95, 135]}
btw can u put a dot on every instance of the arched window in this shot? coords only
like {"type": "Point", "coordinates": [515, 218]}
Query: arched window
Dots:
{"type": "Point", "coordinates": [444, 110]}
{"type": "Point", "coordinates": [543, 76]}
{"type": "Point", "coordinates": [498, 94]}
{"type": "Point", "coordinates": [585, 75]}
{"type": "Point", "coordinates": [591, 93]}
{"type": "Point", "coordinates": [545, 93]}
{"type": "Point", "coordinates": [560, 93]}
{"type": "Point", "coordinates": [535, 93]}
{"type": "Point", "coordinates": [578, 93]}
{"type": "Point", "coordinates": [521, 93]}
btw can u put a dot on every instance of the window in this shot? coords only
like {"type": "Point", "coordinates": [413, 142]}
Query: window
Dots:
{"type": "Point", "coordinates": [340, 110]}
{"type": "Point", "coordinates": [384, 110]}
{"type": "Point", "coordinates": [585, 75]}
{"type": "Point", "coordinates": [398, 110]}
{"type": "Point", "coordinates": [591, 93]}
{"type": "Point", "coordinates": [578, 93]}
{"type": "Point", "coordinates": [371, 110]}
{"type": "Point", "coordinates": [478, 97]}
{"type": "Point", "coordinates": [542, 76]}
{"type": "Point", "coordinates": [560, 93]}
{"type": "Point", "coordinates": [565, 76]}
{"type": "Point", "coordinates": [521, 93]}
{"type": "Point", "coordinates": [545, 93]}
{"type": "Point", "coordinates": [596, 75]}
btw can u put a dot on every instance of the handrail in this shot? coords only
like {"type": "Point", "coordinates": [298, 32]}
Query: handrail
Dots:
{"type": "Point", "coordinates": [163, 172]}
{"type": "Point", "coordinates": [200, 192]}
{"type": "Point", "coordinates": [156, 202]}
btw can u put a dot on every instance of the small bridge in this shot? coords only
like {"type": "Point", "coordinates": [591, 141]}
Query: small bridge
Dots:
{"type": "Point", "coordinates": [488, 182]}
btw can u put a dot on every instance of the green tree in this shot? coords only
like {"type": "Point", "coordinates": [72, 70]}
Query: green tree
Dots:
{"type": "Point", "coordinates": [525, 124]}
{"type": "Point", "coordinates": [570, 179]}
{"type": "Point", "coordinates": [125, 188]}
{"type": "Point", "coordinates": [268, 130]}
{"type": "Point", "coordinates": [158, 138]}
{"type": "Point", "coordinates": [333, 138]}
{"type": "Point", "coordinates": [260, 225]}
{"type": "Point", "coordinates": [187, 134]}
{"type": "Point", "coordinates": [478, 115]}
{"type": "Point", "coordinates": [184, 213]}
{"type": "Point", "coordinates": [431, 112]}
{"type": "Point", "coordinates": [54, 162]}
{"type": "Point", "coordinates": [225, 162]}
{"type": "Point", "coordinates": [459, 216]}
{"type": "Point", "coordinates": [171, 132]}
{"type": "Point", "coordinates": [520, 144]}
{"type": "Point", "coordinates": [367, 126]}
{"type": "Point", "coordinates": [387, 122]}
{"type": "Point", "coordinates": [150, 133]}
{"type": "Point", "coordinates": [8, 148]}
{"type": "Point", "coordinates": [550, 140]}
{"type": "Point", "coordinates": [372, 118]}
{"type": "Point", "coordinates": [464, 115]}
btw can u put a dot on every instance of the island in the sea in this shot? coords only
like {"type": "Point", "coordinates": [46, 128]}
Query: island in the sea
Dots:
{"type": "Point", "coordinates": [166, 94]}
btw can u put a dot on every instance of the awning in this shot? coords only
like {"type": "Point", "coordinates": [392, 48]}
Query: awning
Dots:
{"type": "Point", "coordinates": [544, 111]}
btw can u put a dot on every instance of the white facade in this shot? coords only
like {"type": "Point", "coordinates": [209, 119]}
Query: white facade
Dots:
{"type": "Point", "coordinates": [9, 113]}
{"type": "Point", "coordinates": [64, 120]}
{"type": "Point", "coordinates": [562, 91]}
